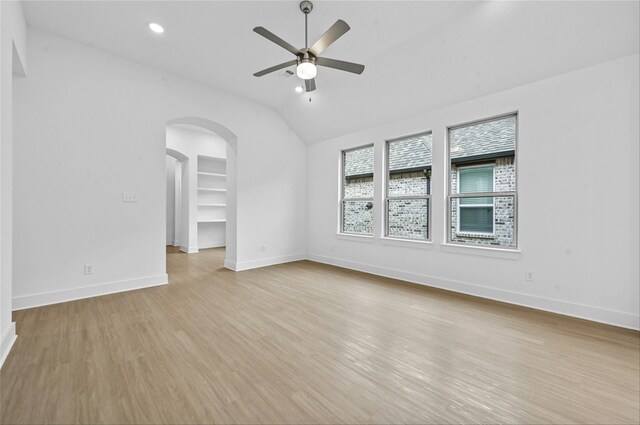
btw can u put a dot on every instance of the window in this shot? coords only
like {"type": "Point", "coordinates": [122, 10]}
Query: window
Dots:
{"type": "Point", "coordinates": [475, 214]}
{"type": "Point", "coordinates": [408, 192]}
{"type": "Point", "coordinates": [357, 191]}
{"type": "Point", "coordinates": [482, 188]}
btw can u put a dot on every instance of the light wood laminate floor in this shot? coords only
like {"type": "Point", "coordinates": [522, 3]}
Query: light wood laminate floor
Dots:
{"type": "Point", "coordinates": [309, 343]}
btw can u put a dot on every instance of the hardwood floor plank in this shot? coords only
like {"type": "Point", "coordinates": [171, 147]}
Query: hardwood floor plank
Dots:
{"type": "Point", "coordinates": [310, 343]}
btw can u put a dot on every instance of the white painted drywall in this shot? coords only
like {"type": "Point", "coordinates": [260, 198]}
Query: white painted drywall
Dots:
{"type": "Point", "coordinates": [89, 126]}
{"type": "Point", "coordinates": [578, 199]}
{"type": "Point", "coordinates": [192, 143]}
{"type": "Point", "coordinates": [13, 65]}
{"type": "Point", "coordinates": [171, 200]}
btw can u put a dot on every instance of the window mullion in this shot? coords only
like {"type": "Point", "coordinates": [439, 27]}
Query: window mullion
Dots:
{"type": "Point", "coordinates": [482, 195]}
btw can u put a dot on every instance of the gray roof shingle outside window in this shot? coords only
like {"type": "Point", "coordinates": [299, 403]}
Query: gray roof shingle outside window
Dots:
{"type": "Point", "coordinates": [410, 153]}
{"type": "Point", "coordinates": [484, 138]}
{"type": "Point", "coordinates": [358, 162]}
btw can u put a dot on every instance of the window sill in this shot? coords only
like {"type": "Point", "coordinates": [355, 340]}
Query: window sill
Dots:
{"type": "Point", "coordinates": [511, 254]}
{"type": "Point", "coordinates": [409, 243]}
{"type": "Point", "coordinates": [354, 237]}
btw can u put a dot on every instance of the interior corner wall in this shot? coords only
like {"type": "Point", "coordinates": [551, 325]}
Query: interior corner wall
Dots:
{"type": "Point", "coordinates": [90, 125]}
{"type": "Point", "coordinates": [577, 199]}
{"type": "Point", "coordinates": [12, 56]}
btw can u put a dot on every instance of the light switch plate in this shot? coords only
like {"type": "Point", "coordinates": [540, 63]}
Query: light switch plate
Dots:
{"type": "Point", "coordinates": [129, 197]}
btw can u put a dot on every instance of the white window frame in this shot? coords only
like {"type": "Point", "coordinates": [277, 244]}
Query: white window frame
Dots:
{"type": "Point", "coordinates": [387, 198]}
{"type": "Point", "coordinates": [342, 199]}
{"type": "Point", "coordinates": [493, 202]}
{"type": "Point", "coordinates": [514, 194]}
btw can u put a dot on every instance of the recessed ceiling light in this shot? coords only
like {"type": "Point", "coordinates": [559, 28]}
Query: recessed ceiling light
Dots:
{"type": "Point", "coordinates": [298, 89]}
{"type": "Point", "coordinates": [157, 28]}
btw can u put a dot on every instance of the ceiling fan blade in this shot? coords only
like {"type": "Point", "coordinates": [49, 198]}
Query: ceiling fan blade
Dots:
{"type": "Point", "coordinates": [274, 38]}
{"type": "Point", "coordinates": [310, 85]}
{"type": "Point", "coordinates": [336, 31]}
{"type": "Point", "coordinates": [274, 68]}
{"type": "Point", "coordinates": [341, 65]}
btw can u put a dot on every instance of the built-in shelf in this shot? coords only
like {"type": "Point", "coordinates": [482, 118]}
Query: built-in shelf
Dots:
{"type": "Point", "coordinates": [211, 165]}
{"type": "Point", "coordinates": [206, 173]}
{"type": "Point", "coordinates": [212, 199]}
{"type": "Point", "coordinates": [211, 189]}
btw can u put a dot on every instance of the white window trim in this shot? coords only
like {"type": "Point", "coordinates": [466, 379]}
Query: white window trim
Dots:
{"type": "Point", "coordinates": [482, 250]}
{"type": "Point", "coordinates": [407, 243]}
{"type": "Point", "coordinates": [387, 198]}
{"type": "Point", "coordinates": [355, 237]}
{"type": "Point", "coordinates": [465, 234]}
{"type": "Point", "coordinates": [342, 199]}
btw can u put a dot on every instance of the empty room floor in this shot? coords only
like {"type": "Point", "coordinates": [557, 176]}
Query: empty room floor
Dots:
{"type": "Point", "coordinates": [309, 343]}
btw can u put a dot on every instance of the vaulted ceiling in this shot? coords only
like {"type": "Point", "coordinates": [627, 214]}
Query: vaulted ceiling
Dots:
{"type": "Point", "coordinates": [418, 54]}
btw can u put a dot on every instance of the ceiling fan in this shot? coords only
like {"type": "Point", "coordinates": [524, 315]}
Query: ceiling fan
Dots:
{"type": "Point", "coordinates": [308, 59]}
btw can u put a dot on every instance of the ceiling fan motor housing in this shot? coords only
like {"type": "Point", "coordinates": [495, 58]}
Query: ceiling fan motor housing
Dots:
{"type": "Point", "coordinates": [306, 7]}
{"type": "Point", "coordinates": [306, 56]}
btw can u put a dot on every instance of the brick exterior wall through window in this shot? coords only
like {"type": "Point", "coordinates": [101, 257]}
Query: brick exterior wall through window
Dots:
{"type": "Point", "coordinates": [357, 217]}
{"type": "Point", "coordinates": [504, 213]}
{"type": "Point", "coordinates": [407, 218]}
{"type": "Point", "coordinates": [491, 142]}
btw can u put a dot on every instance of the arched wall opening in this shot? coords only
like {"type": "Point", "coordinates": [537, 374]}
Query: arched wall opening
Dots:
{"type": "Point", "coordinates": [185, 172]}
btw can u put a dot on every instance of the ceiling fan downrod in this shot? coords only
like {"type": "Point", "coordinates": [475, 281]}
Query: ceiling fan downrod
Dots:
{"type": "Point", "coordinates": [306, 7]}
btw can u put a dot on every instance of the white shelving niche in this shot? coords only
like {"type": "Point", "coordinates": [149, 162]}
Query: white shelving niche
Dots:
{"type": "Point", "coordinates": [212, 201]}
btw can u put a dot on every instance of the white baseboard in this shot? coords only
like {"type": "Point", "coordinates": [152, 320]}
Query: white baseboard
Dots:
{"type": "Point", "coordinates": [211, 244]}
{"type": "Point", "coordinates": [6, 341]}
{"type": "Point", "coordinates": [263, 262]}
{"type": "Point", "coordinates": [231, 265]}
{"type": "Point", "coordinates": [189, 249]}
{"type": "Point", "coordinates": [72, 294]}
{"type": "Point", "coordinates": [596, 314]}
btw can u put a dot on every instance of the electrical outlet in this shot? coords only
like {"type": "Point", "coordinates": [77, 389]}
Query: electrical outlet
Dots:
{"type": "Point", "coordinates": [129, 197]}
{"type": "Point", "coordinates": [263, 248]}
{"type": "Point", "coordinates": [528, 275]}
{"type": "Point", "coordinates": [88, 269]}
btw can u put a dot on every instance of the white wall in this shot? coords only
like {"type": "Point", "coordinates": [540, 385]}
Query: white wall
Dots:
{"type": "Point", "coordinates": [89, 126]}
{"type": "Point", "coordinates": [196, 142]}
{"type": "Point", "coordinates": [578, 199]}
{"type": "Point", "coordinates": [12, 64]}
{"type": "Point", "coordinates": [171, 200]}
{"type": "Point", "coordinates": [192, 143]}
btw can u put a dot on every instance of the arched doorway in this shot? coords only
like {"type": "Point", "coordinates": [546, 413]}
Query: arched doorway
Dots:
{"type": "Point", "coordinates": [185, 233]}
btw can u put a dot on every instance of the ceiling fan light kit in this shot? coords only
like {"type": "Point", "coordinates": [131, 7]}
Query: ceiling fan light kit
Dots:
{"type": "Point", "coordinates": [308, 59]}
{"type": "Point", "coordinates": [306, 69]}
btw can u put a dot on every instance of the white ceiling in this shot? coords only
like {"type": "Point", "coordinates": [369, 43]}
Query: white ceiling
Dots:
{"type": "Point", "coordinates": [418, 54]}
